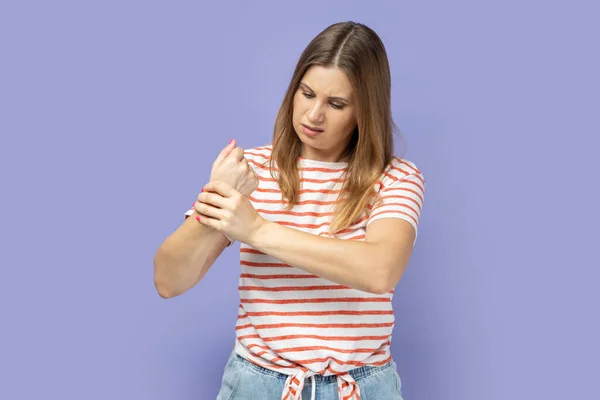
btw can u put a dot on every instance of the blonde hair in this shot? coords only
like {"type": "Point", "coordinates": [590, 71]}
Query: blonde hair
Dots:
{"type": "Point", "coordinates": [359, 52]}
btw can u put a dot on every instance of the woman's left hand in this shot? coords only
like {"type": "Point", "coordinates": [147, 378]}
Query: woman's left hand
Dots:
{"type": "Point", "coordinates": [228, 211]}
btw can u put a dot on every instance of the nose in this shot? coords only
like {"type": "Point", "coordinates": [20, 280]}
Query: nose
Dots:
{"type": "Point", "coordinates": [315, 113]}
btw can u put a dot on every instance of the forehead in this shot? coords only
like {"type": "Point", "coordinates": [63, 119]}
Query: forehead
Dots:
{"type": "Point", "coordinates": [328, 81]}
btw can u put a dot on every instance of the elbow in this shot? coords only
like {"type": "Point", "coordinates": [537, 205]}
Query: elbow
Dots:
{"type": "Point", "coordinates": [385, 280]}
{"type": "Point", "coordinates": [164, 290]}
{"type": "Point", "coordinates": [380, 288]}
{"type": "Point", "coordinates": [162, 285]}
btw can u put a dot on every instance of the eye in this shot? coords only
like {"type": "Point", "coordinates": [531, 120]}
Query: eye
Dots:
{"type": "Point", "coordinates": [308, 95]}
{"type": "Point", "coordinates": [337, 106]}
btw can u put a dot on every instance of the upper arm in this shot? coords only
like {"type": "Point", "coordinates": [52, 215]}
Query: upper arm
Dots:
{"type": "Point", "coordinates": [401, 197]}
{"type": "Point", "coordinates": [394, 217]}
{"type": "Point", "coordinates": [395, 238]}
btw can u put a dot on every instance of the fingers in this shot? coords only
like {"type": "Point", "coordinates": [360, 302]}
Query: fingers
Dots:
{"type": "Point", "coordinates": [225, 152]}
{"type": "Point", "coordinates": [212, 199]}
{"type": "Point", "coordinates": [210, 222]}
{"type": "Point", "coordinates": [244, 166]}
{"type": "Point", "coordinates": [236, 154]}
{"type": "Point", "coordinates": [221, 188]}
{"type": "Point", "coordinates": [208, 210]}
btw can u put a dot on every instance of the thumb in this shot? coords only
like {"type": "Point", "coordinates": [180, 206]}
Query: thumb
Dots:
{"type": "Point", "coordinates": [225, 152]}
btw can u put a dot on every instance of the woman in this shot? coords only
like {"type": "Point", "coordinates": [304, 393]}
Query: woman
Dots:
{"type": "Point", "coordinates": [326, 232]}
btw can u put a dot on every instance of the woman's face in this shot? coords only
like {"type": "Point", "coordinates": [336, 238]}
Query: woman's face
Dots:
{"type": "Point", "coordinates": [324, 113]}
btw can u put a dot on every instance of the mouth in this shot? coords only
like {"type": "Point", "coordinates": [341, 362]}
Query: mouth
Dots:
{"type": "Point", "coordinates": [311, 131]}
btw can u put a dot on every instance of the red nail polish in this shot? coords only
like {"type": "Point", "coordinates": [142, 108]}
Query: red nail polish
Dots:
{"type": "Point", "coordinates": [231, 141]}
{"type": "Point", "coordinates": [203, 189]}
{"type": "Point", "coordinates": [198, 218]}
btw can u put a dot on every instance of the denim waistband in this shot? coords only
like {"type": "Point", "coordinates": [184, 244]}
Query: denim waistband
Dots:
{"type": "Point", "coordinates": [356, 373]}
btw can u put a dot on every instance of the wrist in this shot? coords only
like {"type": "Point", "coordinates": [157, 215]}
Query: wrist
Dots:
{"type": "Point", "coordinates": [229, 240]}
{"type": "Point", "coordinates": [259, 233]}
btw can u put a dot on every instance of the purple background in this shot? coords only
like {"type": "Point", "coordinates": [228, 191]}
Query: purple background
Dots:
{"type": "Point", "coordinates": [111, 113]}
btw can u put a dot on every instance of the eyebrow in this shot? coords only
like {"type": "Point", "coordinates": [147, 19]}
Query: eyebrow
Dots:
{"type": "Point", "coordinates": [305, 86]}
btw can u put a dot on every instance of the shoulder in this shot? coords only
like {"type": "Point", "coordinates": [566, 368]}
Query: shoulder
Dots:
{"type": "Point", "coordinates": [401, 170]}
{"type": "Point", "coordinates": [256, 153]}
{"type": "Point", "coordinates": [258, 157]}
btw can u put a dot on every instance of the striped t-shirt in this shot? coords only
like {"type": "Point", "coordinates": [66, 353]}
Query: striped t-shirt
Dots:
{"type": "Point", "coordinates": [297, 323]}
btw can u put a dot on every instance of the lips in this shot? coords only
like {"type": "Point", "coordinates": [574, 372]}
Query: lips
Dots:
{"type": "Point", "coordinates": [311, 131]}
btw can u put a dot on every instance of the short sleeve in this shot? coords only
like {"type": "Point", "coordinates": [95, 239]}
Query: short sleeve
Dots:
{"type": "Point", "coordinates": [189, 213]}
{"type": "Point", "coordinates": [401, 195]}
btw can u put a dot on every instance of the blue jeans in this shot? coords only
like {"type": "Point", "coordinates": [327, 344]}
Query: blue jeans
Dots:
{"type": "Point", "coordinates": [243, 380]}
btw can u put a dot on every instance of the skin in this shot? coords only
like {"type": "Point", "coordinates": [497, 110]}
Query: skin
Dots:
{"type": "Point", "coordinates": [185, 256]}
{"type": "Point", "coordinates": [324, 100]}
{"type": "Point", "coordinates": [388, 243]}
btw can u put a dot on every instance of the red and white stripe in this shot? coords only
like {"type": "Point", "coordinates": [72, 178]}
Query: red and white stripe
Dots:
{"type": "Point", "coordinates": [297, 323]}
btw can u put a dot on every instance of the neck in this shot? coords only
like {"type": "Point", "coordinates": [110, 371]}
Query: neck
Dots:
{"type": "Point", "coordinates": [338, 155]}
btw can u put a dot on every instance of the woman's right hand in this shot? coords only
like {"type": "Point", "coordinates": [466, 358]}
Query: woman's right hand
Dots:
{"type": "Point", "coordinates": [232, 168]}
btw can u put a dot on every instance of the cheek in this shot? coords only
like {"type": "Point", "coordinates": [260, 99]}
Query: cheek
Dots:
{"type": "Point", "coordinates": [301, 106]}
{"type": "Point", "coordinates": [344, 123]}
{"type": "Point", "coordinates": [296, 109]}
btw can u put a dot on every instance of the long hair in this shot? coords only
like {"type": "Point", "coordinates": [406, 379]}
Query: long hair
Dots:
{"type": "Point", "coordinates": [360, 54]}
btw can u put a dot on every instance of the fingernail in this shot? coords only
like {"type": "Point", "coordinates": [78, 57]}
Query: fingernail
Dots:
{"type": "Point", "coordinates": [203, 189]}
{"type": "Point", "coordinates": [198, 218]}
{"type": "Point", "coordinates": [231, 141]}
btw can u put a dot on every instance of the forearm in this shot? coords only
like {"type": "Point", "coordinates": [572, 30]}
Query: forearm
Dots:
{"type": "Point", "coordinates": [357, 264]}
{"type": "Point", "coordinates": [185, 256]}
